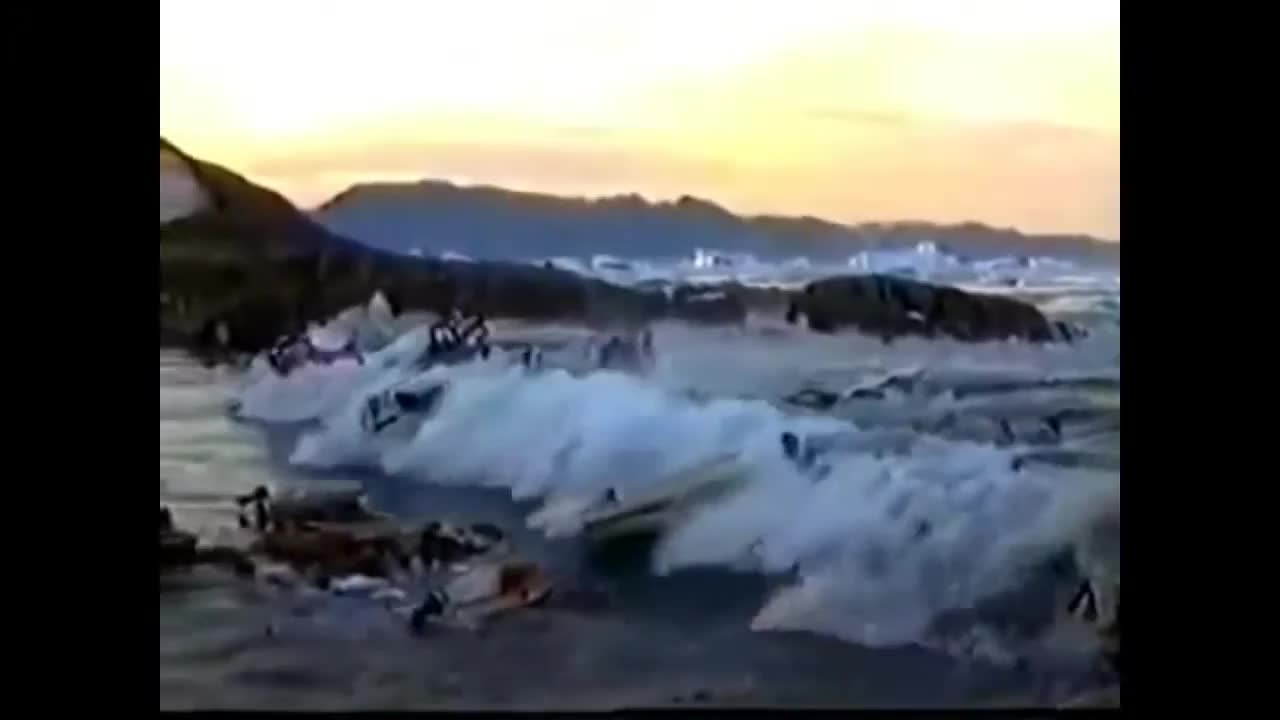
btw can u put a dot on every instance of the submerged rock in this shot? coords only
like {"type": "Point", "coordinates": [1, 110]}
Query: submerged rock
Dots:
{"type": "Point", "coordinates": [890, 306]}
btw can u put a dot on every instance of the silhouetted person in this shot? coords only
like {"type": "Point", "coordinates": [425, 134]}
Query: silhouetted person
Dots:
{"type": "Point", "coordinates": [797, 451]}
{"type": "Point", "coordinates": [531, 357]}
{"type": "Point", "coordinates": [1055, 426]}
{"type": "Point", "coordinates": [1085, 602]}
{"type": "Point", "coordinates": [259, 499]}
{"type": "Point", "coordinates": [474, 330]}
{"type": "Point", "coordinates": [433, 606]}
{"type": "Point", "coordinates": [443, 335]}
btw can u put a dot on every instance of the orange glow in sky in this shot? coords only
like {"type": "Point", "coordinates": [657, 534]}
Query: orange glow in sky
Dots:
{"type": "Point", "coordinates": [1001, 111]}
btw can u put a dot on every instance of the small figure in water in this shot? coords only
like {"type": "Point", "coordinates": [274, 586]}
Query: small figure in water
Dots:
{"type": "Point", "coordinates": [288, 353]}
{"type": "Point", "coordinates": [632, 353]}
{"type": "Point", "coordinates": [443, 335]}
{"type": "Point", "coordinates": [1084, 603]}
{"type": "Point", "coordinates": [793, 449]}
{"type": "Point", "coordinates": [474, 330]}
{"type": "Point", "coordinates": [259, 498]}
{"type": "Point", "coordinates": [610, 350]}
{"type": "Point", "coordinates": [804, 455]}
{"type": "Point", "coordinates": [1054, 423]}
{"type": "Point", "coordinates": [531, 357]}
{"type": "Point", "coordinates": [433, 606]}
{"type": "Point", "coordinates": [611, 498]}
{"type": "Point", "coordinates": [646, 345]}
{"type": "Point", "coordinates": [1007, 436]}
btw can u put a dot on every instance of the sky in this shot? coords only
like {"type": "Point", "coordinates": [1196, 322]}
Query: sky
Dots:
{"type": "Point", "coordinates": [999, 111]}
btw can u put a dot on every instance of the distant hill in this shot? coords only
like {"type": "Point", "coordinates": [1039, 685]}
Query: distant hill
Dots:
{"type": "Point", "coordinates": [240, 266]}
{"type": "Point", "coordinates": [492, 223]}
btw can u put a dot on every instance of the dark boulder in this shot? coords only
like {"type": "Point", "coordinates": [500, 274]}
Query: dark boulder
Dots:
{"type": "Point", "coordinates": [887, 306]}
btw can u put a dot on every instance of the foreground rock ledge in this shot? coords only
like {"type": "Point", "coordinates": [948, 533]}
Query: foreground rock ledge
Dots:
{"type": "Point", "coordinates": [240, 266]}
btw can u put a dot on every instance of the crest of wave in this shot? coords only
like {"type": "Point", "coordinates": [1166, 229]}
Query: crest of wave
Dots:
{"type": "Point", "coordinates": [881, 547]}
{"type": "Point", "coordinates": [315, 391]}
{"type": "Point", "coordinates": [868, 574]}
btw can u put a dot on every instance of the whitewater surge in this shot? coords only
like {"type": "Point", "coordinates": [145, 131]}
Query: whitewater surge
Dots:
{"type": "Point", "coordinates": [877, 549]}
{"type": "Point", "coordinates": [925, 261]}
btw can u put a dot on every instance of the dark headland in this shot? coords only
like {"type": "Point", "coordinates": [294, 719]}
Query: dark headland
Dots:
{"type": "Point", "coordinates": [240, 266]}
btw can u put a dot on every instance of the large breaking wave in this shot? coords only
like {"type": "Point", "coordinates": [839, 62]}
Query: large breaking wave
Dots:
{"type": "Point", "coordinates": [897, 538]}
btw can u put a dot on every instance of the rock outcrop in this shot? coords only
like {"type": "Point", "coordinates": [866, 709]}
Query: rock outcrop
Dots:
{"type": "Point", "coordinates": [889, 306]}
{"type": "Point", "coordinates": [180, 191]}
{"type": "Point", "coordinates": [240, 266]}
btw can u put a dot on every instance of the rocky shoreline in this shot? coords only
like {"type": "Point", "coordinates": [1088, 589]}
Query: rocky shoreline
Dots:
{"type": "Point", "coordinates": [240, 266]}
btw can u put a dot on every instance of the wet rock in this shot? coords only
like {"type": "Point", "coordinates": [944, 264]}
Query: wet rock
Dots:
{"type": "Point", "coordinates": [330, 554]}
{"type": "Point", "coordinates": [180, 550]}
{"type": "Point", "coordinates": [176, 548]}
{"type": "Point", "coordinates": [482, 593]}
{"type": "Point", "coordinates": [889, 306]}
{"type": "Point", "coordinates": [329, 532]}
{"type": "Point", "coordinates": [444, 544]}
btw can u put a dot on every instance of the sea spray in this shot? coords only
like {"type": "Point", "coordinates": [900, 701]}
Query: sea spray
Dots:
{"type": "Point", "coordinates": [881, 546]}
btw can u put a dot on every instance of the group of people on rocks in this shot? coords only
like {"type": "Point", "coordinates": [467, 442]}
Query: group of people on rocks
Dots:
{"type": "Point", "coordinates": [452, 333]}
{"type": "Point", "coordinates": [455, 331]}
{"type": "Point", "coordinates": [294, 351]}
{"type": "Point", "coordinates": [459, 336]}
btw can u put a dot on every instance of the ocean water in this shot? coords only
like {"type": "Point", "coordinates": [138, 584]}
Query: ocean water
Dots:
{"type": "Point", "coordinates": [925, 261]}
{"type": "Point", "coordinates": [921, 569]}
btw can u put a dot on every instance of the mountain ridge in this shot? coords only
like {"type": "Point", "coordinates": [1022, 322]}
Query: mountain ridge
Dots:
{"type": "Point", "coordinates": [438, 215]}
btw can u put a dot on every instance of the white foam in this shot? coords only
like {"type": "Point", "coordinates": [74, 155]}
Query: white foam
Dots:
{"type": "Point", "coordinates": [895, 534]}
{"type": "Point", "coordinates": [925, 261]}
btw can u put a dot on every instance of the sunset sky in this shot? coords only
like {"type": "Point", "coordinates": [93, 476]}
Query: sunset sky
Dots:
{"type": "Point", "coordinates": [1005, 112]}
